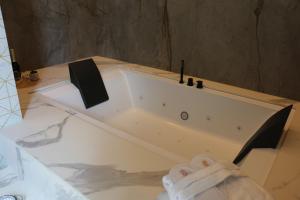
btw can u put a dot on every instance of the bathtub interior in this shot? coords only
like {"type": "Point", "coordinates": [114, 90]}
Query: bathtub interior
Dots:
{"type": "Point", "coordinates": [150, 107]}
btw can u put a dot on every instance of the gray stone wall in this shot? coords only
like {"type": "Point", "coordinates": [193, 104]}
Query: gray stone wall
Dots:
{"type": "Point", "coordinates": [252, 44]}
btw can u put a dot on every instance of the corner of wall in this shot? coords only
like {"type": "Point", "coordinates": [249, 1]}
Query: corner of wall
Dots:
{"type": "Point", "coordinates": [10, 111]}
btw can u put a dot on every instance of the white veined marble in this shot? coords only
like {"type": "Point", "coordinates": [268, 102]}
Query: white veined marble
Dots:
{"type": "Point", "coordinates": [39, 132]}
{"type": "Point", "coordinates": [10, 112]}
{"type": "Point", "coordinates": [99, 164]}
{"type": "Point", "coordinates": [22, 175]}
{"type": "Point", "coordinates": [149, 108]}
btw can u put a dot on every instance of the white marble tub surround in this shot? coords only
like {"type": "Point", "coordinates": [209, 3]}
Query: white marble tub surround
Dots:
{"type": "Point", "coordinates": [149, 107]}
{"type": "Point", "coordinates": [283, 180]}
{"type": "Point", "coordinates": [24, 176]}
{"type": "Point", "coordinates": [95, 162]}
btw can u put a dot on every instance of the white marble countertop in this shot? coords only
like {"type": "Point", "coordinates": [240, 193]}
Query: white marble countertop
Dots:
{"type": "Point", "coordinates": [97, 163]}
{"type": "Point", "coordinates": [80, 151]}
{"type": "Point", "coordinates": [23, 176]}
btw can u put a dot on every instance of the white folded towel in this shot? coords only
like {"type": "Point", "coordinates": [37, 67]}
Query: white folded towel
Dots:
{"type": "Point", "coordinates": [206, 179]}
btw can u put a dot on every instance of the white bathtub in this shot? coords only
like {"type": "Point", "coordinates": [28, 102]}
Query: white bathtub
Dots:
{"type": "Point", "coordinates": [149, 108]}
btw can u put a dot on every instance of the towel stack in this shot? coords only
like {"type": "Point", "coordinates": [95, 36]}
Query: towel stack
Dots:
{"type": "Point", "coordinates": [205, 179]}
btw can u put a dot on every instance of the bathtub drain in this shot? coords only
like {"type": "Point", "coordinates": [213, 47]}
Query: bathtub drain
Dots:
{"type": "Point", "coordinates": [184, 115]}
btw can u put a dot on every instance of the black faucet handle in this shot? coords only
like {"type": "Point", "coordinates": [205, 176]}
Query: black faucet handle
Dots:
{"type": "Point", "coordinates": [199, 84]}
{"type": "Point", "coordinates": [190, 82]}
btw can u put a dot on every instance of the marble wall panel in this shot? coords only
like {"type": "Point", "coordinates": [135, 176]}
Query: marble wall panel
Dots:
{"type": "Point", "coordinates": [253, 44]}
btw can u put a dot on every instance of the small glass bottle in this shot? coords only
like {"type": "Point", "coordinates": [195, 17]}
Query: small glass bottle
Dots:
{"type": "Point", "coordinates": [15, 65]}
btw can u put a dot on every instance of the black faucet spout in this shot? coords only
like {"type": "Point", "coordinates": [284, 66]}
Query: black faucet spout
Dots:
{"type": "Point", "coordinates": [181, 72]}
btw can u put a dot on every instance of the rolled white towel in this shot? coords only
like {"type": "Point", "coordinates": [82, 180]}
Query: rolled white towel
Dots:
{"type": "Point", "coordinates": [186, 181]}
{"type": "Point", "coordinates": [205, 179]}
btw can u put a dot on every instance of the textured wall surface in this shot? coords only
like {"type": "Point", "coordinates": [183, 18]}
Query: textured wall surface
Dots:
{"type": "Point", "coordinates": [253, 44]}
{"type": "Point", "coordinates": [9, 102]}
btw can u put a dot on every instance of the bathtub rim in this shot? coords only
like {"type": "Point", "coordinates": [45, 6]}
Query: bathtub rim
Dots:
{"type": "Point", "coordinates": [209, 90]}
